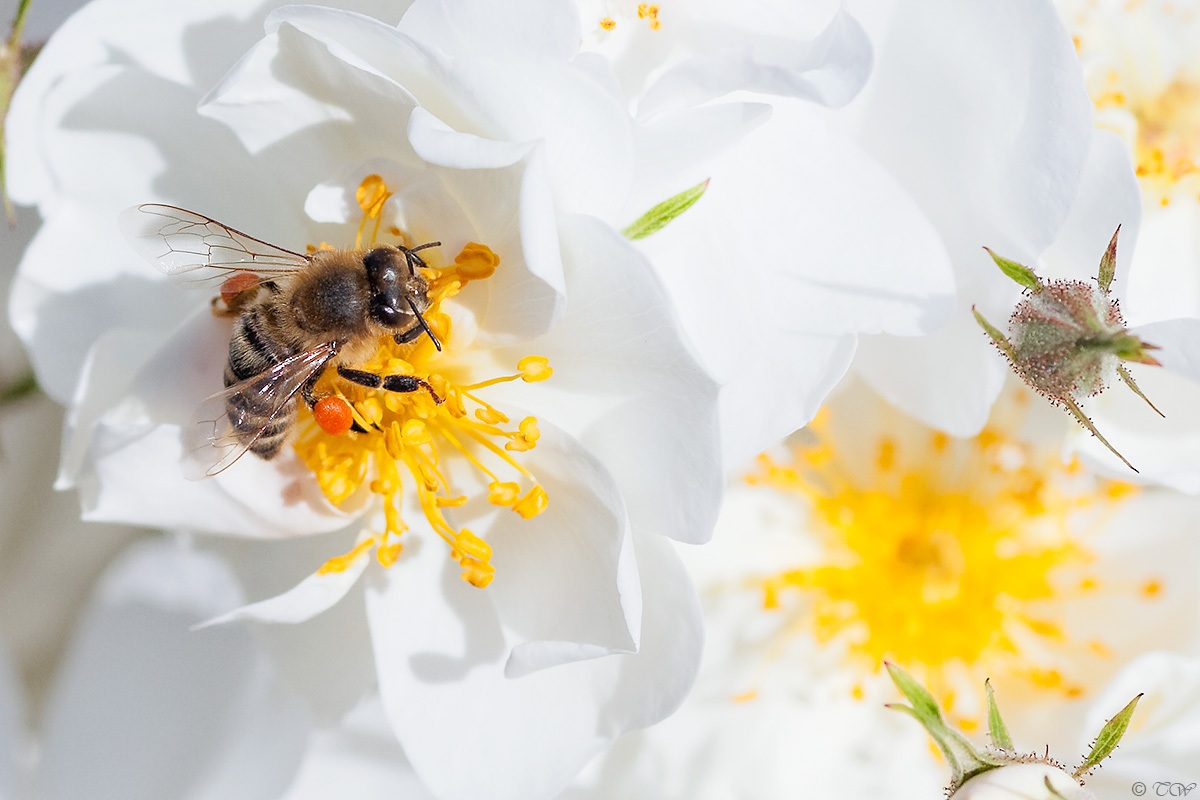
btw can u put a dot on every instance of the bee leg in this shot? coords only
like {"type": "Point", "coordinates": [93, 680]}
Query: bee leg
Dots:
{"type": "Point", "coordinates": [389, 383]}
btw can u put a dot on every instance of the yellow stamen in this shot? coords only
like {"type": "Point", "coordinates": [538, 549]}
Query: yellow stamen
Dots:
{"type": "Point", "coordinates": [948, 556]}
{"type": "Point", "coordinates": [608, 23]}
{"type": "Point", "coordinates": [342, 563]}
{"type": "Point", "coordinates": [407, 432]}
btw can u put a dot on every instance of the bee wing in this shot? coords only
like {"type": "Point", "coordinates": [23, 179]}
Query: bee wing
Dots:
{"type": "Point", "coordinates": [229, 423]}
{"type": "Point", "coordinates": [192, 247]}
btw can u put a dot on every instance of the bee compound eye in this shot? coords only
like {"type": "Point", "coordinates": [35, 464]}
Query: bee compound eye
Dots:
{"type": "Point", "coordinates": [386, 314]}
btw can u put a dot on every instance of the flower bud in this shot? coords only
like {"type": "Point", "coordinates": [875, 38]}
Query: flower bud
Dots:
{"type": "Point", "coordinates": [1067, 339]}
{"type": "Point", "coordinates": [1027, 781]}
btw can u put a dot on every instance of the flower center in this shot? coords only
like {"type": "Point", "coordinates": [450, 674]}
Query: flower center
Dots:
{"type": "Point", "coordinates": [943, 555]}
{"type": "Point", "coordinates": [392, 441]}
{"type": "Point", "coordinates": [1141, 94]}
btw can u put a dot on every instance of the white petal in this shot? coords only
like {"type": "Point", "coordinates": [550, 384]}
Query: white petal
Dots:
{"type": "Point", "coordinates": [527, 736]}
{"type": "Point", "coordinates": [981, 112]}
{"type": "Point", "coordinates": [11, 714]}
{"type": "Point", "coordinates": [328, 660]}
{"type": "Point", "coordinates": [316, 593]}
{"type": "Point", "coordinates": [628, 386]}
{"type": "Point", "coordinates": [144, 708]}
{"type": "Point", "coordinates": [1108, 197]}
{"type": "Point", "coordinates": [510, 30]}
{"type": "Point", "coordinates": [504, 189]}
{"type": "Point", "coordinates": [727, 58]}
{"type": "Point", "coordinates": [1166, 450]}
{"type": "Point", "coordinates": [588, 134]}
{"type": "Point", "coordinates": [579, 552]}
{"type": "Point", "coordinates": [947, 380]}
{"type": "Point", "coordinates": [359, 759]}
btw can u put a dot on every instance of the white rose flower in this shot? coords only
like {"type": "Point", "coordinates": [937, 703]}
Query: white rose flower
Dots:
{"type": "Point", "coordinates": [464, 126]}
{"type": "Point", "coordinates": [963, 559]}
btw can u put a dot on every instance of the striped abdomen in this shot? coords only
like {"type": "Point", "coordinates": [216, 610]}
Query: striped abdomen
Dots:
{"type": "Point", "coordinates": [253, 349]}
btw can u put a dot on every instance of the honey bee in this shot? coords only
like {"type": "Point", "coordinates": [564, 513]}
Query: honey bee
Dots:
{"type": "Point", "coordinates": [294, 316]}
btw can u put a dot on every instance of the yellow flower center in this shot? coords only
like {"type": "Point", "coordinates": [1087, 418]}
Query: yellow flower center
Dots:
{"type": "Point", "coordinates": [403, 436]}
{"type": "Point", "coordinates": [947, 556]}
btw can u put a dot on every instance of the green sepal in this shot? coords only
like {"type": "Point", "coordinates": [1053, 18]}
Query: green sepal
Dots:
{"type": "Point", "coordinates": [1109, 738]}
{"type": "Point", "coordinates": [997, 731]}
{"type": "Point", "coordinates": [965, 760]}
{"type": "Point", "coordinates": [1132, 384]}
{"type": "Point", "coordinates": [657, 218]}
{"type": "Point", "coordinates": [999, 338]}
{"type": "Point", "coordinates": [1108, 264]}
{"type": "Point", "coordinates": [1050, 788]}
{"type": "Point", "coordinates": [13, 62]}
{"type": "Point", "coordinates": [1018, 272]}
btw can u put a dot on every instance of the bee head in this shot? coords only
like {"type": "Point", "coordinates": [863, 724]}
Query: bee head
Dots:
{"type": "Point", "coordinates": [398, 291]}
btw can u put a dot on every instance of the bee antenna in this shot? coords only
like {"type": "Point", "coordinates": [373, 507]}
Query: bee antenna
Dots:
{"type": "Point", "coordinates": [424, 324]}
{"type": "Point", "coordinates": [411, 254]}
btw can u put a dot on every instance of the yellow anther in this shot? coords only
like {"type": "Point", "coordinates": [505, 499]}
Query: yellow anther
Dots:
{"type": "Point", "coordinates": [342, 563]}
{"type": "Point", "coordinates": [533, 503]}
{"type": "Point", "coordinates": [478, 575]}
{"type": "Point", "coordinates": [643, 10]}
{"type": "Point", "coordinates": [387, 554]}
{"type": "Point", "coordinates": [745, 697]}
{"type": "Point", "coordinates": [503, 494]}
{"type": "Point", "coordinates": [472, 546]}
{"type": "Point", "coordinates": [535, 368]}
{"type": "Point", "coordinates": [415, 433]}
{"type": "Point", "coordinates": [608, 23]}
{"type": "Point", "coordinates": [490, 416]}
{"type": "Point", "coordinates": [476, 261]}
{"type": "Point", "coordinates": [372, 193]}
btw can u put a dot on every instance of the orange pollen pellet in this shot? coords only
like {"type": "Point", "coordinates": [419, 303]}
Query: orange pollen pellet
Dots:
{"type": "Point", "coordinates": [333, 415]}
{"type": "Point", "coordinates": [237, 283]}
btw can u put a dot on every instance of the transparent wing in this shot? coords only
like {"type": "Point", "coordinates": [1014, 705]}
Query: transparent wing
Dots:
{"type": "Point", "coordinates": [191, 247]}
{"type": "Point", "coordinates": [229, 423]}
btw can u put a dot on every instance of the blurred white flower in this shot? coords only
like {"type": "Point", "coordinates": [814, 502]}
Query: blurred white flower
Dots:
{"type": "Point", "coordinates": [142, 707]}
{"type": "Point", "coordinates": [961, 559]}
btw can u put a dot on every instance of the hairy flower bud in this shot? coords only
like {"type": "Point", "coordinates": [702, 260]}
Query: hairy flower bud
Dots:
{"type": "Point", "coordinates": [999, 771]}
{"type": "Point", "coordinates": [1067, 339]}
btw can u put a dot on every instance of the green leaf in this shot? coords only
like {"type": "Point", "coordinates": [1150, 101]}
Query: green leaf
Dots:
{"type": "Point", "coordinates": [996, 729]}
{"type": "Point", "coordinates": [1018, 272]}
{"type": "Point", "coordinates": [1108, 263]}
{"type": "Point", "coordinates": [965, 760]}
{"type": "Point", "coordinates": [657, 218]}
{"type": "Point", "coordinates": [1108, 739]}
{"type": "Point", "coordinates": [18, 389]}
{"type": "Point", "coordinates": [1129, 381]}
